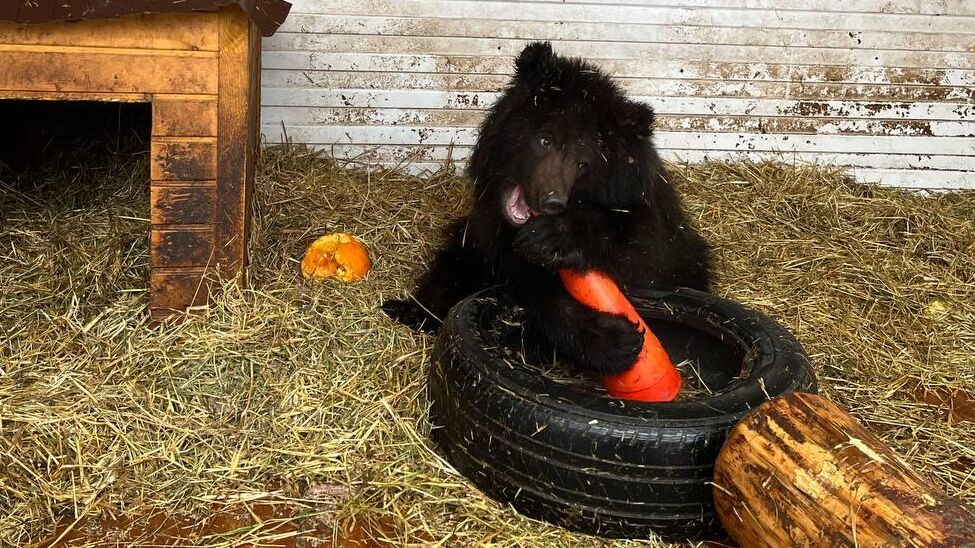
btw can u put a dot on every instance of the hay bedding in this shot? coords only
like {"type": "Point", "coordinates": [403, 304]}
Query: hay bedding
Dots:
{"type": "Point", "coordinates": [307, 401]}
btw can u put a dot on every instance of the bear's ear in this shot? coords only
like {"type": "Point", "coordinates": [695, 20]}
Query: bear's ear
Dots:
{"type": "Point", "coordinates": [635, 119]}
{"type": "Point", "coordinates": [537, 65]}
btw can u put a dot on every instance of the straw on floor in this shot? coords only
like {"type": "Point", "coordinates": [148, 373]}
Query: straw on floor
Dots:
{"type": "Point", "coordinates": [305, 397]}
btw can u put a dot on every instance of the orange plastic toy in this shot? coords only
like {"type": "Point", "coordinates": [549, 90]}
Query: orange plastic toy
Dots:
{"type": "Point", "coordinates": [653, 378]}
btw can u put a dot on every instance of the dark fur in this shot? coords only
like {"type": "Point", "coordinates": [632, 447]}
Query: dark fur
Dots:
{"type": "Point", "coordinates": [621, 215]}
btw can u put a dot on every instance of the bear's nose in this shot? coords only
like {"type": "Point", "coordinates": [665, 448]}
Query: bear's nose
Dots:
{"type": "Point", "coordinates": [554, 203]}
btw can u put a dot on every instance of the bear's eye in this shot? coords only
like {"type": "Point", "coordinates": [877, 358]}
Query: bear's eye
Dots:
{"type": "Point", "coordinates": [582, 165]}
{"type": "Point", "coordinates": [545, 142]}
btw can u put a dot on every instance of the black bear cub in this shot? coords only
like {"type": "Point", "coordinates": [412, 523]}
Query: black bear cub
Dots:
{"type": "Point", "coordinates": [564, 175]}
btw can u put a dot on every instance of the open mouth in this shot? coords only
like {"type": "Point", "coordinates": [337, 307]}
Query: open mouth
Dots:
{"type": "Point", "coordinates": [516, 209]}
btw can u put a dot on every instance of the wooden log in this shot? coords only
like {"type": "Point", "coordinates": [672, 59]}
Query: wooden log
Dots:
{"type": "Point", "coordinates": [798, 471]}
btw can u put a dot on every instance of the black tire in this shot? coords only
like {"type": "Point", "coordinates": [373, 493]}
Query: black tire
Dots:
{"type": "Point", "coordinates": [592, 463]}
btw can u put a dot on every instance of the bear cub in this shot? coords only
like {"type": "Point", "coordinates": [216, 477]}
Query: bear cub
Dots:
{"type": "Point", "coordinates": [564, 175]}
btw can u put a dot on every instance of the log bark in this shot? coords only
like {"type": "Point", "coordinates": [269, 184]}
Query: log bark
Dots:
{"type": "Point", "coordinates": [799, 471]}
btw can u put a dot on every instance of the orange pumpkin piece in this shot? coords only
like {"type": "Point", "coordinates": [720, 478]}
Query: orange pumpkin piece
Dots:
{"type": "Point", "coordinates": [336, 256]}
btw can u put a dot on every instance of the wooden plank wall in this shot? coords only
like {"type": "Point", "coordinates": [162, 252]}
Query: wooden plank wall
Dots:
{"type": "Point", "coordinates": [174, 54]}
{"type": "Point", "coordinates": [183, 196]}
{"type": "Point", "coordinates": [886, 87]}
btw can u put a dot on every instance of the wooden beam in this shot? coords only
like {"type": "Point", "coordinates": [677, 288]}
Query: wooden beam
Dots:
{"type": "Point", "coordinates": [237, 126]}
{"type": "Point", "coordinates": [183, 160]}
{"type": "Point", "coordinates": [184, 116]}
{"type": "Point", "coordinates": [254, 129]}
{"type": "Point", "coordinates": [107, 71]}
{"type": "Point", "coordinates": [181, 246]}
{"type": "Point", "coordinates": [184, 203]}
{"type": "Point", "coordinates": [75, 96]}
{"type": "Point", "coordinates": [176, 290]}
{"type": "Point", "coordinates": [177, 31]}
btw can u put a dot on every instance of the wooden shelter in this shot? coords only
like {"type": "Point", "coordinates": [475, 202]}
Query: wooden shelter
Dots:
{"type": "Point", "coordinates": [198, 63]}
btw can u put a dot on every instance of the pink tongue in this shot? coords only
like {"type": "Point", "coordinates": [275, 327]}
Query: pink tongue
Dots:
{"type": "Point", "coordinates": [517, 206]}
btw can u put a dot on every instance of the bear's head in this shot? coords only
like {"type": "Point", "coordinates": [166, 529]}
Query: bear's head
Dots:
{"type": "Point", "coordinates": [561, 134]}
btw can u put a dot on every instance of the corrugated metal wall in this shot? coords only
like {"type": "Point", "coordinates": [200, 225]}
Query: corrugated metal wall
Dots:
{"type": "Point", "coordinates": [885, 86]}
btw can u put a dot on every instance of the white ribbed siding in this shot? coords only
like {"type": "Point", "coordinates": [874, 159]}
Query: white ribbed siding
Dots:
{"type": "Point", "coordinates": [884, 86]}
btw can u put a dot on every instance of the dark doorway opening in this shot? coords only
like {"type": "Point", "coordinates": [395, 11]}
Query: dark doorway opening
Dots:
{"type": "Point", "coordinates": [74, 207]}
